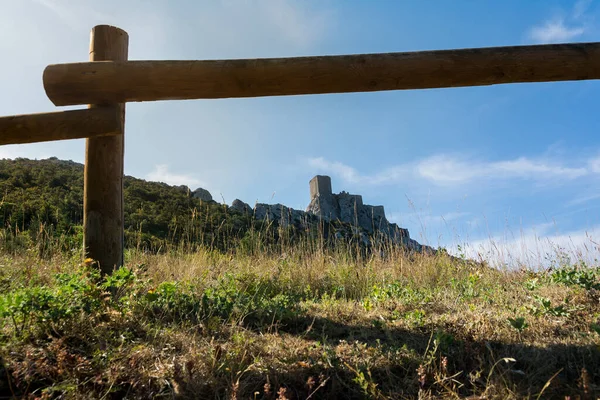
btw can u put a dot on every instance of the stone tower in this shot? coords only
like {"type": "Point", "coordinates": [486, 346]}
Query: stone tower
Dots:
{"type": "Point", "coordinates": [320, 185]}
{"type": "Point", "coordinates": [322, 199]}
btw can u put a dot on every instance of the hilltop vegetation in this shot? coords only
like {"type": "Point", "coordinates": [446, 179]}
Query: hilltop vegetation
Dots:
{"type": "Point", "coordinates": [42, 203]}
{"type": "Point", "coordinates": [42, 206]}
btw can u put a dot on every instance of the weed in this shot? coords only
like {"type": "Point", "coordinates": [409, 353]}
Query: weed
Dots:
{"type": "Point", "coordinates": [577, 275]}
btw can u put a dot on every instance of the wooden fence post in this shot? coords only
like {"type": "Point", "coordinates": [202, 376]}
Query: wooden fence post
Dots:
{"type": "Point", "coordinates": [103, 217]}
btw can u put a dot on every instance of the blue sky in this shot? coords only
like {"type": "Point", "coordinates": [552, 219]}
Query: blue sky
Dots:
{"type": "Point", "coordinates": [512, 167]}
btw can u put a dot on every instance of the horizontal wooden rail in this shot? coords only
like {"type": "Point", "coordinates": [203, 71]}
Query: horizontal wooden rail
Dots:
{"type": "Point", "coordinates": [62, 125]}
{"type": "Point", "coordinates": [114, 82]}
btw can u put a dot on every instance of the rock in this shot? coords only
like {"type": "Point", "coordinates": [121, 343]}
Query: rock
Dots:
{"type": "Point", "coordinates": [240, 206]}
{"type": "Point", "coordinates": [366, 219]}
{"type": "Point", "coordinates": [261, 211]}
{"type": "Point", "coordinates": [364, 223]}
{"type": "Point", "coordinates": [183, 188]}
{"type": "Point", "coordinates": [285, 216]}
{"type": "Point", "coordinates": [365, 239]}
{"type": "Point", "coordinates": [202, 194]}
{"type": "Point", "coordinates": [348, 208]}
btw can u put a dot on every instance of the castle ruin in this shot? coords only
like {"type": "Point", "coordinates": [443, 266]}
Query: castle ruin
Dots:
{"type": "Point", "coordinates": [348, 208]}
{"type": "Point", "coordinates": [367, 221]}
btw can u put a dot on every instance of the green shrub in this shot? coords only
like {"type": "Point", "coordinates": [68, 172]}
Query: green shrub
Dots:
{"type": "Point", "coordinates": [577, 275]}
{"type": "Point", "coordinates": [48, 306]}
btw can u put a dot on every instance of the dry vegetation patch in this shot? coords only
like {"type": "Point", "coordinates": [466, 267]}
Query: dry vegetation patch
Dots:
{"type": "Point", "coordinates": [296, 325]}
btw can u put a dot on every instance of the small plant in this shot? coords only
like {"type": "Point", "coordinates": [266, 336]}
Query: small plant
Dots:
{"type": "Point", "coordinates": [48, 307]}
{"type": "Point", "coordinates": [578, 275]}
{"type": "Point", "coordinates": [443, 340]}
{"type": "Point", "coordinates": [532, 284]}
{"type": "Point", "coordinates": [546, 308]}
{"type": "Point", "coordinates": [468, 288]}
{"type": "Point", "coordinates": [595, 328]}
{"type": "Point", "coordinates": [415, 317]}
{"type": "Point", "coordinates": [519, 324]}
{"type": "Point", "coordinates": [367, 304]}
{"type": "Point", "coordinates": [365, 382]}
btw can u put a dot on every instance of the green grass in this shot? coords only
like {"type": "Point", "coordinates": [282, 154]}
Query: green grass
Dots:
{"type": "Point", "coordinates": [295, 324]}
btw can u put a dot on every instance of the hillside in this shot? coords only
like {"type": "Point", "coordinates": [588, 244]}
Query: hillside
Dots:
{"type": "Point", "coordinates": [43, 199]}
{"type": "Point", "coordinates": [257, 310]}
{"type": "Point", "coordinates": [296, 325]}
{"type": "Point", "coordinates": [48, 195]}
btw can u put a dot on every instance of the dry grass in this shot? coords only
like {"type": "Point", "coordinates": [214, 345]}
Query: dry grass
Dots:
{"type": "Point", "coordinates": [303, 324]}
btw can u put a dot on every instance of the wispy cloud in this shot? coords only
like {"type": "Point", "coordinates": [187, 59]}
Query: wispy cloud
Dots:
{"type": "Point", "coordinates": [583, 199]}
{"type": "Point", "coordinates": [443, 170]}
{"type": "Point", "coordinates": [351, 175]}
{"type": "Point", "coordinates": [536, 247]}
{"type": "Point", "coordinates": [339, 169]}
{"type": "Point", "coordinates": [594, 164]}
{"type": "Point", "coordinates": [562, 28]}
{"type": "Point", "coordinates": [161, 173]}
{"type": "Point", "coordinates": [555, 31]}
{"type": "Point", "coordinates": [22, 151]}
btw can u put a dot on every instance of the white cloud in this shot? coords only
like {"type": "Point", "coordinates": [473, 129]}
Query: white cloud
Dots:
{"type": "Point", "coordinates": [563, 28]}
{"type": "Point", "coordinates": [348, 174]}
{"type": "Point", "coordinates": [555, 31]}
{"type": "Point", "coordinates": [594, 164]}
{"type": "Point", "coordinates": [444, 170]}
{"type": "Point", "coordinates": [535, 248]}
{"type": "Point", "coordinates": [583, 199]}
{"type": "Point", "coordinates": [161, 173]}
{"type": "Point", "coordinates": [22, 151]}
{"type": "Point", "coordinates": [524, 167]}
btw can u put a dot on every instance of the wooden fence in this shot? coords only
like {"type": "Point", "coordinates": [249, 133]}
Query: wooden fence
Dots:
{"type": "Point", "coordinates": [109, 80]}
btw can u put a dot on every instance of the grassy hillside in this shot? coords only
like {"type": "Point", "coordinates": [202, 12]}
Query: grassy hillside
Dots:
{"type": "Point", "coordinates": [42, 207]}
{"type": "Point", "coordinates": [296, 326]}
{"type": "Point", "coordinates": [42, 204]}
{"type": "Point", "coordinates": [236, 309]}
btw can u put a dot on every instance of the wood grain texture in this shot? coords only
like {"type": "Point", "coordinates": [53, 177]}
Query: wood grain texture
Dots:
{"type": "Point", "coordinates": [80, 83]}
{"type": "Point", "coordinates": [103, 211]}
{"type": "Point", "coordinates": [63, 125]}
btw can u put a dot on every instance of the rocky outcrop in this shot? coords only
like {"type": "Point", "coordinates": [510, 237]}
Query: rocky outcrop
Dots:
{"type": "Point", "coordinates": [285, 216]}
{"type": "Point", "coordinates": [361, 222]}
{"type": "Point", "coordinates": [349, 208]}
{"type": "Point", "coordinates": [240, 206]}
{"type": "Point", "coordinates": [202, 194]}
{"type": "Point", "coordinates": [183, 188]}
